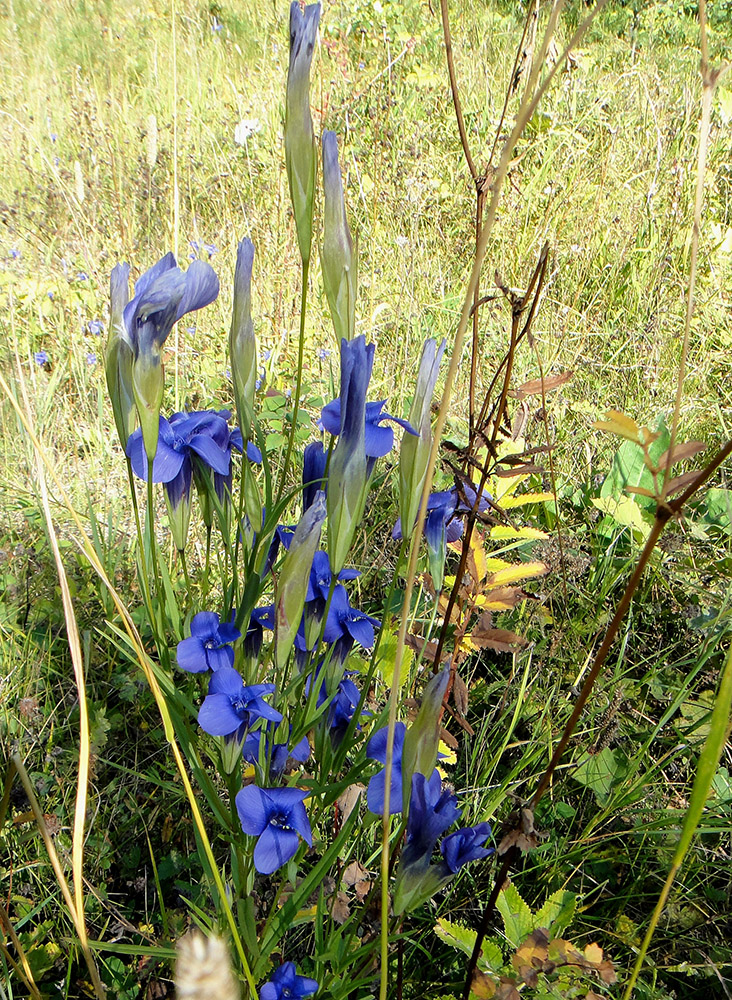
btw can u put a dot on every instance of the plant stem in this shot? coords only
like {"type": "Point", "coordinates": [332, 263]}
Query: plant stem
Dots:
{"type": "Point", "coordinates": [298, 379]}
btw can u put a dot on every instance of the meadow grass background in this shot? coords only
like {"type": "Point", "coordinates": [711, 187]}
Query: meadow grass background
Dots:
{"type": "Point", "coordinates": [99, 101]}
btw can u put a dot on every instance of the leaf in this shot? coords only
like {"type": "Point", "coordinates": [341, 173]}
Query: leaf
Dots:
{"type": "Point", "coordinates": [616, 422]}
{"type": "Point", "coordinates": [520, 571]}
{"type": "Point", "coordinates": [517, 919]}
{"type": "Point", "coordinates": [557, 912]}
{"type": "Point", "coordinates": [629, 468]}
{"type": "Point", "coordinates": [503, 532]}
{"type": "Point", "coordinates": [687, 449]}
{"type": "Point", "coordinates": [387, 650]}
{"type": "Point", "coordinates": [524, 499]}
{"type": "Point", "coordinates": [499, 639]}
{"type": "Point", "coordinates": [537, 385]}
{"type": "Point", "coordinates": [678, 483]}
{"type": "Point", "coordinates": [457, 936]}
{"type": "Point", "coordinates": [625, 512]}
{"type": "Point", "coordinates": [348, 800]}
{"type": "Point", "coordinates": [481, 986]}
{"type": "Point", "coordinates": [600, 772]}
{"type": "Point", "coordinates": [501, 599]}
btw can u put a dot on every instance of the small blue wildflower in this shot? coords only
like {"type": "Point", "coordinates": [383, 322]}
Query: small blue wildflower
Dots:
{"type": "Point", "coordinates": [56, 161]}
{"type": "Point", "coordinates": [14, 253]}
{"type": "Point", "coordinates": [277, 817]}
{"type": "Point", "coordinates": [258, 384]}
{"type": "Point", "coordinates": [285, 985]}
{"type": "Point", "coordinates": [432, 811]}
{"type": "Point", "coordinates": [41, 358]}
{"type": "Point", "coordinates": [321, 577]}
{"type": "Point", "coordinates": [322, 353]}
{"type": "Point", "coordinates": [95, 327]}
{"type": "Point", "coordinates": [209, 645]}
{"type": "Point", "coordinates": [376, 750]}
{"type": "Point", "coordinates": [50, 295]}
{"type": "Point", "coordinates": [216, 26]}
{"type": "Point", "coordinates": [260, 619]}
{"type": "Point", "coordinates": [266, 354]}
{"type": "Point", "coordinates": [210, 249]}
{"type": "Point", "coordinates": [191, 329]}
{"type": "Point", "coordinates": [288, 393]}
{"type": "Point", "coordinates": [465, 845]}
{"type": "Point", "coordinates": [91, 359]}
{"type": "Point", "coordinates": [231, 705]}
{"type": "Point", "coordinates": [378, 440]}
{"type": "Point", "coordinates": [280, 752]}
{"type": "Point", "coordinates": [82, 276]}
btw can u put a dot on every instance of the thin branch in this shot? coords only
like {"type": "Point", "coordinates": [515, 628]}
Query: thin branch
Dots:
{"type": "Point", "coordinates": [454, 88]}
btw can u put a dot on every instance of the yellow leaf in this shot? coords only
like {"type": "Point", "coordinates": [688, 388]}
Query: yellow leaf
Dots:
{"type": "Point", "coordinates": [618, 423]}
{"type": "Point", "coordinates": [503, 531]}
{"type": "Point", "coordinates": [525, 498]}
{"type": "Point", "coordinates": [446, 756]}
{"type": "Point", "coordinates": [521, 571]}
{"type": "Point", "coordinates": [492, 564]}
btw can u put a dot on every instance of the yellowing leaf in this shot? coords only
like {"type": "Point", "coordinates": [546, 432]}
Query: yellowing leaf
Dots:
{"type": "Point", "coordinates": [626, 512]}
{"type": "Point", "coordinates": [525, 498]}
{"type": "Point", "coordinates": [521, 571]}
{"type": "Point", "coordinates": [492, 564]}
{"type": "Point", "coordinates": [504, 532]}
{"type": "Point", "coordinates": [446, 756]}
{"type": "Point", "coordinates": [619, 423]}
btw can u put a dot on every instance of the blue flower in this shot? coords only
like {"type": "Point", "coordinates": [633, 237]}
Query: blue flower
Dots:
{"type": "Point", "coordinates": [277, 817]}
{"type": "Point", "coordinates": [14, 253]}
{"type": "Point", "coordinates": [322, 353]}
{"type": "Point", "coordinates": [209, 644]}
{"type": "Point", "coordinates": [95, 327]}
{"type": "Point", "coordinates": [285, 985]}
{"type": "Point", "coordinates": [321, 577]}
{"type": "Point", "coordinates": [163, 294]}
{"type": "Point", "coordinates": [230, 704]}
{"type": "Point", "coordinates": [280, 752]}
{"type": "Point", "coordinates": [432, 811]}
{"type": "Point", "coordinates": [91, 358]}
{"type": "Point", "coordinates": [465, 845]}
{"type": "Point", "coordinates": [82, 276]}
{"type": "Point", "coordinates": [41, 358]}
{"type": "Point", "coordinates": [205, 435]}
{"type": "Point", "coordinates": [376, 750]}
{"type": "Point", "coordinates": [314, 461]}
{"type": "Point", "coordinates": [342, 707]}
{"type": "Point", "coordinates": [260, 619]}
{"type": "Point", "coordinates": [378, 440]}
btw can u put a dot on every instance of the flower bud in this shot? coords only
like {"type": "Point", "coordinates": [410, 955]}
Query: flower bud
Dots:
{"type": "Point", "coordinates": [300, 156]}
{"type": "Point", "coordinates": [423, 736]}
{"type": "Point", "coordinates": [293, 580]}
{"type": "Point", "coordinates": [415, 451]}
{"type": "Point", "coordinates": [242, 346]}
{"type": "Point", "coordinates": [338, 257]}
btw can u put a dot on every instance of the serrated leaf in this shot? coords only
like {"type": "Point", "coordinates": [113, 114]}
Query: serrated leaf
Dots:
{"type": "Point", "coordinates": [520, 571]}
{"type": "Point", "coordinates": [557, 912]}
{"type": "Point", "coordinates": [517, 919]}
{"type": "Point", "coordinates": [503, 532]}
{"type": "Point", "coordinates": [524, 499]}
{"type": "Point", "coordinates": [457, 936]}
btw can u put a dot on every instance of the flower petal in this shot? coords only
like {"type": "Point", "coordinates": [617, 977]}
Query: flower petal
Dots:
{"type": "Point", "coordinates": [201, 288]}
{"type": "Point", "coordinates": [227, 681]}
{"type": "Point", "coordinates": [274, 848]}
{"type": "Point", "coordinates": [254, 808]}
{"type": "Point", "coordinates": [213, 456]}
{"type": "Point", "coordinates": [191, 655]}
{"type": "Point", "coordinates": [378, 440]}
{"type": "Point", "coordinates": [217, 716]}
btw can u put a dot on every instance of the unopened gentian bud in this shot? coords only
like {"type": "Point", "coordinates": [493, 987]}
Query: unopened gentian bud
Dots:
{"type": "Point", "coordinates": [118, 356]}
{"type": "Point", "coordinates": [242, 346]}
{"type": "Point", "coordinates": [314, 461]}
{"type": "Point", "coordinates": [347, 473]}
{"type": "Point", "coordinates": [300, 155]}
{"type": "Point", "coordinates": [339, 258]}
{"type": "Point", "coordinates": [423, 736]}
{"type": "Point", "coordinates": [292, 584]}
{"type": "Point", "coordinates": [415, 451]}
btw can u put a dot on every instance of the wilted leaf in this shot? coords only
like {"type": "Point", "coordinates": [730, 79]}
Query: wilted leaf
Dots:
{"type": "Point", "coordinates": [679, 483]}
{"type": "Point", "coordinates": [482, 986]}
{"type": "Point", "coordinates": [460, 694]}
{"type": "Point", "coordinates": [536, 385]}
{"type": "Point", "coordinates": [499, 639]}
{"type": "Point", "coordinates": [507, 990]}
{"type": "Point", "coordinates": [339, 908]}
{"type": "Point", "coordinates": [640, 491]}
{"type": "Point", "coordinates": [501, 599]}
{"type": "Point", "coordinates": [523, 834]}
{"type": "Point", "coordinates": [687, 449]}
{"type": "Point", "coordinates": [450, 741]}
{"type": "Point", "coordinates": [347, 801]}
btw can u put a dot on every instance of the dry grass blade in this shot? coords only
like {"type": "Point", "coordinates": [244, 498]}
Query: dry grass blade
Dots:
{"type": "Point", "coordinates": [22, 966]}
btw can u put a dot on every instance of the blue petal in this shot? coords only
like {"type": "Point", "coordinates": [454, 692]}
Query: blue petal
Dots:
{"type": "Point", "coordinates": [253, 453]}
{"type": "Point", "coordinates": [191, 655]}
{"type": "Point", "coordinates": [228, 632]}
{"type": "Point", "coordinates": [376, 746]}
{"type": "Point", "coordinates": [217, 716]}
{"type": "Point", "coordinates": [212, 455]}
{"type": "Point", "coordinates": [145, 280]}
{"type": "Point", "coordinates": [226, 681]}
{"type": "Point", "coordinates": [205, 625]}
{"type": "Point", "coordinates": [361, 630]}
{"type": "Point", "coordinates": [330, 417]}
{"type": "Point", "coordinates": [300, 822]}
{"type": "Point", "coordinates": [221, 658]}
{"type": "Point", "coordinates": [376, 789]}
{"type": "Point", "coordinates": [378, 440]}
{"type": "Point", "coordinates": [274, 848]}
{"type": "Point", "coordinates": [201, 288]}
{"type": "Point", "coordinates": [254, 808]}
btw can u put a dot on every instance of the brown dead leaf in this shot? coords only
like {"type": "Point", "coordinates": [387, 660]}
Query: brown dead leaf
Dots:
{"type": "Point", "coordinates": [421, 646]}
{"type": "Point", "coordinates": [681, 482]}
{"type": "Point", "coordinates": [507, 990]}
{"type": "Point", "coordinates": [355, 876]}
{"type": "Point", "coordinates": [536, 385]}
{"type": "Point", "coordinates": [499, 639]}
{"type": "Point", "coordinates": [449, 739]}
{"type": "Point", "coordinates": [460, 694]}
{"type": "Point", "coordinates": [687, 449]}
{"type": "Point", "coordinates": [339, 908]}
{"type": "Point", "coordinates": [522, 832]}
{"type": "Point", "coordinates": [347, 801]}
{"type": "Point", "coordinates": [481, 986]}
{"type": "Point", "coordinates": [504, 598]}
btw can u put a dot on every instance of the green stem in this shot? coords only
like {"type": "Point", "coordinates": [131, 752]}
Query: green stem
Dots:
{"type": "Point", "coordinates": [298, 379]}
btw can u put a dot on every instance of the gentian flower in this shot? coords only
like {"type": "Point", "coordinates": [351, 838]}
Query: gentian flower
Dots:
{"type": "Point", "coordinates": [342, 707]}
{"type": "Point", "coordinates": [347, 476]}
{"type": "Point", "coordinates": [314, 461]}
{"type": "Point", "coordinates": [277, 817]}
{"type": "Point", "coordinates": [242, 345]}
{"type": "Point", "coordinates": [285, 985]}
{"type": "Point", "coordinates": [464, 846]}
{"type": "Point", "coordinates": [415, 451]}
{"type": "Point", "coordinates": [376, 791]}
{"type": "Point", "coordinates": [378, 440]}
{"type": "Point", "coordinates": [201, 436]}
{"type": "Point", "coordinates": [162, 296]}
{"type": "Point", "coordinates": [280, 752]}
{"type": "Point", "coordinates": [260, 619]}
{"type": "Point", "coordinates": [209, 644]}
{"type": "Point", "coordinates": [299, 136]}
{"type": "Point", "coordinates": [230, 704]}
{"type": "Point", "coordinates": [95, 327]}
{"type": "Point", "coordinates": [41, 358]}
{"type": "Point", "coordinates": [338, 256]}
{"type": "Point", "coordinates": [321, 577]}
{"type": "Point", "coordinates": [293, 579]}
{"type": "Point", "coordinates": [432, 811]}
{"type": "Point", "coordinates": [346, 625]}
